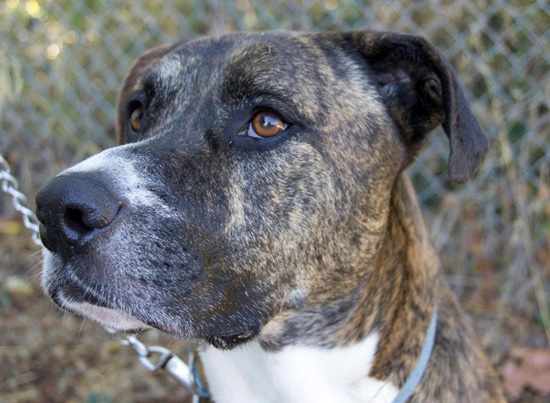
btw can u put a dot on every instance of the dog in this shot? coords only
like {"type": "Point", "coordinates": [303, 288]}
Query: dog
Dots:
{"type": "Point", "coordinates": [257, 203]}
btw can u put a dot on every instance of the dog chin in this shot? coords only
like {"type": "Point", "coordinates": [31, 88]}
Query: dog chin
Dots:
{"type": "Point", "coordinates": [113, 320]}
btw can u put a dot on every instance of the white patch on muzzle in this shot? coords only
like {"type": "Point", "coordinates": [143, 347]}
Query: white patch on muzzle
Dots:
{"type": "Point", "coordinates": [123, 172]}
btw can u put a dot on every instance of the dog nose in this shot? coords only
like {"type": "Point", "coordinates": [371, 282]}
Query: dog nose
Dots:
{"type": "Point", "coordinates": [72, 208]}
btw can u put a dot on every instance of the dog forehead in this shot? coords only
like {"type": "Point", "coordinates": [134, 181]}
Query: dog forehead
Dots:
{"type": "Point", "coordinates": [211, 53]}
{"type": "Point", "coordinates": [313, 73]}
{"type": "Point", "coordinates": [270, 65]}
{"type": "Point", "coordinates": [269, 62]}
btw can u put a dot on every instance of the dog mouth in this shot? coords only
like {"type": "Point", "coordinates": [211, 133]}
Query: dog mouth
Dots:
{"type": "Point", "coordinates": [113, 320]}
{"type": "Point", "coordinates": [116, 321]}
{"type": "Point", "coordinates": [73, 298]}
{"type": "Point", "coordinates": [119, 314]}
{"type": "Point", "coordinates": [79, 300]}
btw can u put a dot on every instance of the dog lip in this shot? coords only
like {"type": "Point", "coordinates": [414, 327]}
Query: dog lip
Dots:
{"type": "Point", "coordinates": [76, 293]}
{"type": "Point", "coordinates": [113, 320]}
{"type": "Point", "coordinates": [72, 297]}
{"type": "Point", "coordinates": [72, 289]}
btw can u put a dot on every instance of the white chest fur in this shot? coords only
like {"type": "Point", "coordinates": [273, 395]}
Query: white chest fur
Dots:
{"type": "Point", "coordinates": [297, 374]}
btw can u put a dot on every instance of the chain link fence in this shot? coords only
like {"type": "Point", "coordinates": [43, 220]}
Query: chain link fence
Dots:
{"type": "Point", "coordinates": [62, 61]}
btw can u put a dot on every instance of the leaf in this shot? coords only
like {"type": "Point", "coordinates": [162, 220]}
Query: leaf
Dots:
{"type": "Point", "coordinates": [11, 226]}
{"type": "Point", "coordinates": [526, 369]}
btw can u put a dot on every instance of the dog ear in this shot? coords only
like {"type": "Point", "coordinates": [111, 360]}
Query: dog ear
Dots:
{"type": "Point", "coordinates": [132, 83]}
{"type": "Point", "coordinates": [421, 91]}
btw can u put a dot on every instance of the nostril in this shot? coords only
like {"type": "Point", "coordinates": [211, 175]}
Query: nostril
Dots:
{"type": "Point", "coordinates": [73, 219]}
{"type": "Point", "coordinates": [85, 217]}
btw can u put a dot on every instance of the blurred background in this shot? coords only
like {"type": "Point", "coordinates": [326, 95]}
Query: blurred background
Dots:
{"type": "Point", "coordinates": [62, 61]}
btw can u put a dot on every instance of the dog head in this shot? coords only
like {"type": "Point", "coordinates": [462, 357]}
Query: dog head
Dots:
{"type": "Point", "coordinates": [254, 176]}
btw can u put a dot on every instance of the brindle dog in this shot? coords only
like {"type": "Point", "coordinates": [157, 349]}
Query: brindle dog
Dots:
{"type": "Point", "coordinates": [258, 197]}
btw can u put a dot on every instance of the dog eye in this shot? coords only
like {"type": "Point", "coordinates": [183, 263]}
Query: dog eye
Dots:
{"type": "Point", "coordinates": [266, 124]}
{"type": "Point", "coordinates": [135, 119]}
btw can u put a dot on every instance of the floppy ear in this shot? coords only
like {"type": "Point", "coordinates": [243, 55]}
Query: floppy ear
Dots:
{"type": "Point", "coordinates": [421, 91]}
{"type": "Point", "coordinates": [132, 83]}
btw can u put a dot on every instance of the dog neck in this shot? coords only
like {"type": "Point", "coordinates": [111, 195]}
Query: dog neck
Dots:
{"type": "Point", "coordinates": [393, 296]}
{"type": "Point", "coordinates": [408, 275]}
{"type": "Point", "coordinates": [378, 329]}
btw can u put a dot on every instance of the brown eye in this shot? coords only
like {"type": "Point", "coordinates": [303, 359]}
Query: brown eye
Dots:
{"type": "Point", "coordinates": [135, 119]}
{"type": "Point", "coordinates": [265, 125]}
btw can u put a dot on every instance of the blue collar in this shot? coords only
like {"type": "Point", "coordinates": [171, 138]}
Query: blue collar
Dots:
{"type": "Point", "coordinates": [416, 374]}
{"type": "Point", "coordinates": [200, 386]}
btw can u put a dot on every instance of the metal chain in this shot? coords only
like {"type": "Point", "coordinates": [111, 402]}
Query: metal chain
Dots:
{"type": "Point", "coordinates": [172, 364]}
{"type": "Point", "coordinates": [185, 374]}
{"type": "Point", "coordinates": [11, 187]}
